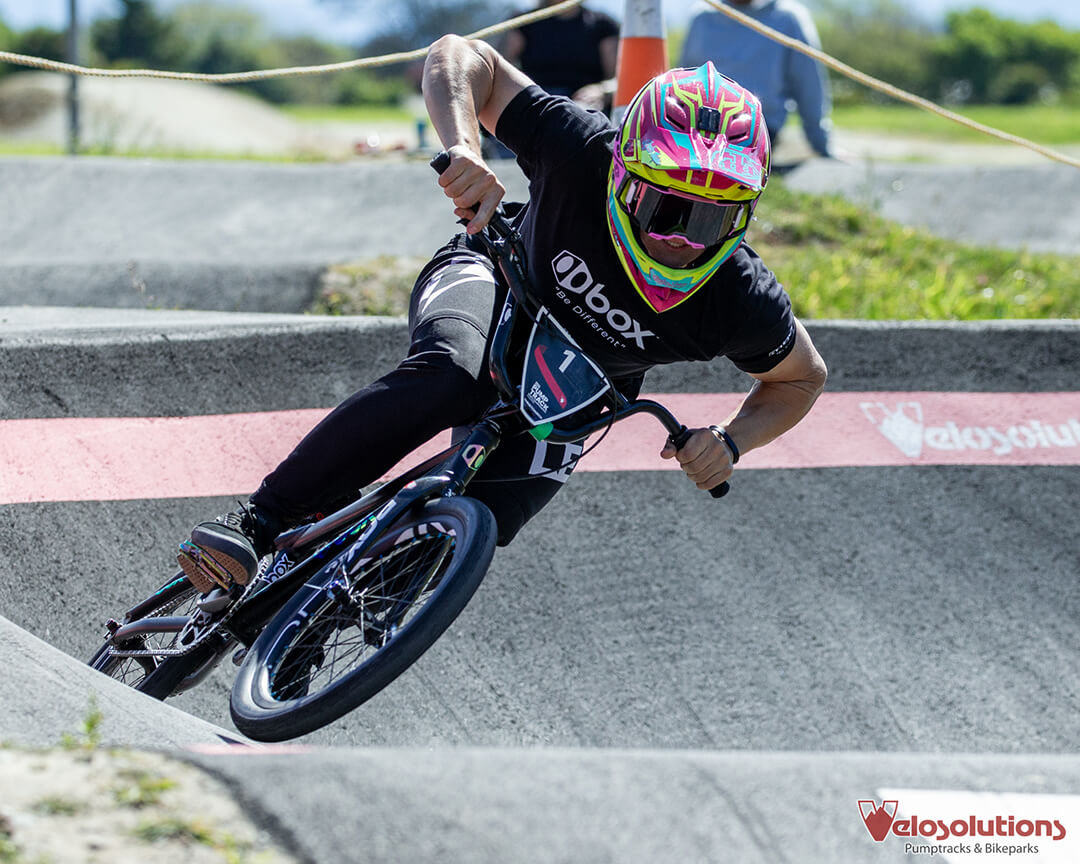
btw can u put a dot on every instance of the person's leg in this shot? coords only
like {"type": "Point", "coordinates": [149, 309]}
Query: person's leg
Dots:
{"type": "Point", "coordinates": [520, 478]}
{"type": "Point", "coordinates": [373, 429]}
{"type": "Point", "coordinates": [442, 382]}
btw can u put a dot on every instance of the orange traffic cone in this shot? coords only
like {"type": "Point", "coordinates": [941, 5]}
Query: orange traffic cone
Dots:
{"type": "Point", "coordinates": [642, 51]}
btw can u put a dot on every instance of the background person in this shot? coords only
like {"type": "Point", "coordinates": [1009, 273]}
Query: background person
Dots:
{"type": "Point", "coordinates": [572, 54]}
{"type": "Point", "coordinates": [775, 73]}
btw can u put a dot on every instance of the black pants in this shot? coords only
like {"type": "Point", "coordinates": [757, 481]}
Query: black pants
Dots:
{"type": "Point", "coordinates": [441, 384]}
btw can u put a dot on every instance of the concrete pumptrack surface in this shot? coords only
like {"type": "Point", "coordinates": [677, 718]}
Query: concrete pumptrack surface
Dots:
{"type": "Point", "coordinates": [645, 674]}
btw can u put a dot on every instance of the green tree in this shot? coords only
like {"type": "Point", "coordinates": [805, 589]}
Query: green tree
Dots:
{"type": "Point", "coordinates": [137, 37]}
{"type": "Point", "coordinates": [214, 39]}
{"type": "Point", "coordinates": [7, 43]}
{"type": "Point", "coordinates": [409, 24]}
{"type": "Point", "coordinates": [999, 60]}
{"type": "Point", "coordinates": [42, 42]}
{"type": "Point", "coordinates": [210, 37]}
{"type": "Point", "coordinates": [882, 38]}
{"type": "Point", "coordinates": [405, 26]}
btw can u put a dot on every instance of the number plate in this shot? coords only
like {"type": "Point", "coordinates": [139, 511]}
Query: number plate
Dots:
{"type": "Point", "coordinates": [559, 378]}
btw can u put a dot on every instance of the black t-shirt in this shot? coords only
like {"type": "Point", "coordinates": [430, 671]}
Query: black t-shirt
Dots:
{"type": "Point", "coordinates": [562, 55]}
{"type": "Point", "coordinates": [565, 152]}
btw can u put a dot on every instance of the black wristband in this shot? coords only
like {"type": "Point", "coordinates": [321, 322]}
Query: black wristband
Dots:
{"type": "Point", "coordinates": [721, 433]}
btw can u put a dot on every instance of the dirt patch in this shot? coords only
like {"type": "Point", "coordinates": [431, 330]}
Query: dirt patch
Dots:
{"type": "Point", "coordinates": [151, 115]}
{"type": "Point", "coordinates": [100, 806]}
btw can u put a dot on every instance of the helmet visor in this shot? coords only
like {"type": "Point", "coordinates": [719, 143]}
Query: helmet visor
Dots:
{"type": "Point", "coordinates": [664, 214]}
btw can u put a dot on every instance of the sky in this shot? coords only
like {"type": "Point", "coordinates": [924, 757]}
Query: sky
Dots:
{"type": "Point", "coordinates": [320, 19]}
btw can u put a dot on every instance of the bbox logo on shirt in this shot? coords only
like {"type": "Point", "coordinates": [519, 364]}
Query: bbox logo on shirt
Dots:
{"type": "Point", "coordinates": [573, 275]}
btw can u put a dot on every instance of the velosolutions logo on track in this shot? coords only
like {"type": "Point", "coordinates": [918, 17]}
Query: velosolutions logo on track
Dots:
{"type": "Point", "coordinates": [905, 426]}
{"type": "Point", "coordinates": [972, 833]}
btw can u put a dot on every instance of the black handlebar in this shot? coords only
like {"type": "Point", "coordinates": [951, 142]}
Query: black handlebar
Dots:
{"type": "Point", "coordinates": [509, 255]}
{"type": "Point", "coordinates": [440, 161]}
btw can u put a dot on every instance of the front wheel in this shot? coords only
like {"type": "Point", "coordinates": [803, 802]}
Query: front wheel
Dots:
{"type": "Point", "coordinates": [363, 620]}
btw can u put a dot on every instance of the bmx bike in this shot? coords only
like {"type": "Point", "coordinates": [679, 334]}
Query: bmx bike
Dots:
{"type": "Point", "coordinates": [345, 604]}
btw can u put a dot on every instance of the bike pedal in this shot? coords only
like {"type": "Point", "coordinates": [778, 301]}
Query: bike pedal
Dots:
{"type": "Point", "coordinates": [203, 572]}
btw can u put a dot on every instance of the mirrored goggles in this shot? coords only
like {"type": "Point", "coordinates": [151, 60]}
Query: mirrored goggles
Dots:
{"type": "Point", "coordinates": [664, 215]}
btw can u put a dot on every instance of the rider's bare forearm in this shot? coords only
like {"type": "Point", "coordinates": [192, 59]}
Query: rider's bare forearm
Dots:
{"type": "Point", "coordinates": [459, 77]}
{"type": "Point", "coordinates": [780, 398]}
{"type": "Point", "coordinates": [770, 410]}
{"type": "Point", "coordinates": [467, 83]}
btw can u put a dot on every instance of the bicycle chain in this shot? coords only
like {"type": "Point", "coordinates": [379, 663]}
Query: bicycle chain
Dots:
{"type": "Point", "coordinates": [211, 629]}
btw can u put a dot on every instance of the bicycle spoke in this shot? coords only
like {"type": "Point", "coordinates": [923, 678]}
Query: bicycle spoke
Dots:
{"type": "Point", "coordinates": [359, 616]}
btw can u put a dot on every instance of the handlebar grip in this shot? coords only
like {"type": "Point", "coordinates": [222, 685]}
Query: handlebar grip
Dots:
{"type": "Point", "coordinates": [679, 439]}
{"type": "Point", "coordinates": [440, 161]}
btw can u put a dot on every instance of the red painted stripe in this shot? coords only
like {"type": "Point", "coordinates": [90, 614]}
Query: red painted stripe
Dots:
{"type": "Point", "coordinates": [105, 459]}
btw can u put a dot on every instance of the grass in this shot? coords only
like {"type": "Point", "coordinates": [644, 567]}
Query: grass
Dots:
{"type": "Point", "coordinates": [45, 148]}
{"type": "Point", "coordinates": [9, 851]}
{"type": "Point", "coordinates": [838, 260]}
{"type": "Point", "coordinates": [359, 114]}
{"type": "Point", "coordinates": [182, 830]}
{"type": "Point", "coordinates": [1050, 125]}
{"type": "Point", "coordinates": [13, 147]}
{"type": "Point", "coordinates": [191, 833]}
{"type": "Point", "coordinates": [57, 805]}
{"type": "Point", "coordinates": [90, 739]}
{"type": "Point", "coordinates": [374, 286]}
{"type": "Point", "coordinates": [139, 789]}
{"type": "Point", "coordinates": [135, 789]}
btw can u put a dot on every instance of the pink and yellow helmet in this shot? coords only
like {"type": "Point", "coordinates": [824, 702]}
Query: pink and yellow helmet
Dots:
{"type": "Point", "coordinates": [691, 160]}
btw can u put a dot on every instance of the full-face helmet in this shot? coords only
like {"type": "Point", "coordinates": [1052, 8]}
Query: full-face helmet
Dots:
{"type": "Point", "coordinates": [691, 159]}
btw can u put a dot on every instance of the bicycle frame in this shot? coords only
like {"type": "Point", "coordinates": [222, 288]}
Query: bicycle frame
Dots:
{"type": "Point", "coordinates": [446, 474]}
{"type": "Point", "coordinates": [360, 524]}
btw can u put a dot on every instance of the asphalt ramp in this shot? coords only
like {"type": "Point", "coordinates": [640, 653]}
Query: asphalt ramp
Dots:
{"type": "Point", "coordinates": [646, 673]}
{"type": "Point", "coordinates": [50, 697]}
{"type": "Point", "coordinates": [255, 237]}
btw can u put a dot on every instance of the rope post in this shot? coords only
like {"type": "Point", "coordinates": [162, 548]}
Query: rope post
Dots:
{"type": "Point", "coordinates": [642, 51]}
{"type": "Point", "coordinates": [73, 83]}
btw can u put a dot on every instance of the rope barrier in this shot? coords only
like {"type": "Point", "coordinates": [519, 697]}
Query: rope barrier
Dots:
{"type": "Point", "coordinates": [886, 88]}
{"type": "Point", "coordinates": [265, 74]}
{"type": "Point", "coordinates": [520, 21]}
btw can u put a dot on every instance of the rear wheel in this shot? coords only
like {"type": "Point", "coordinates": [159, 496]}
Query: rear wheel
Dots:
{"type": "Point", "coordinates": [363, 620]}
{"type": "Point", "coordinates": [157, 674]}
